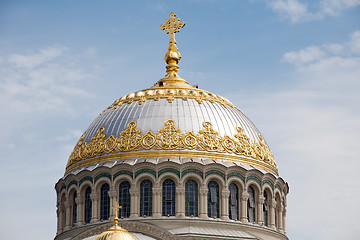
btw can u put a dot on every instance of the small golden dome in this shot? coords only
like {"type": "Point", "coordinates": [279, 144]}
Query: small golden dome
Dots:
{"type": "Point", "coordinates": [116, 232]}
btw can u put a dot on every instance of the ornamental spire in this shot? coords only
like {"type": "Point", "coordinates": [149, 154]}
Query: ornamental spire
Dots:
{"type": "Point", "coordinates": [172, 55]}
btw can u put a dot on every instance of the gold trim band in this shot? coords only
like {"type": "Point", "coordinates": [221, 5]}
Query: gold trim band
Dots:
{"type": "Point", "coordinates": [171, 153]}
{"type": "Point", "coordinates": [170, 138]}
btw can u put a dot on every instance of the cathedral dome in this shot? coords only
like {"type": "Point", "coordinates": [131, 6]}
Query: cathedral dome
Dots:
{"type": "Point", "coordinates": [182, 162]}
{"type": "Point", "coordinates": [172, 119]}
{"type": "Point", "coordinates": [179, 120]}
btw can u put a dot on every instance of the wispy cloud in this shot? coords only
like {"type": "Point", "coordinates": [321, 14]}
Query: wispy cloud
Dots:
{"type": "Point", "coordinates": [313, 128]}
{"type": "Point", "coordinates": [40, 80]}
{"type": "Point", "coordinates": [297, 11]}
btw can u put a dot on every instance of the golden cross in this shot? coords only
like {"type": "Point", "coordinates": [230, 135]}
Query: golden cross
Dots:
{"type": "Point", "coordinates": [172, 25]}
{"type": "Point", "coordinates": [116, 208]}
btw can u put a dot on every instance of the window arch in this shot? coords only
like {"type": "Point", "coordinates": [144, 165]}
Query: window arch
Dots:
{"type": "Point", "coordinates": [213, 199]}
{"type": "Point", "coordinates": [168, 198]}
{"type": "Point", "coordinates": [251, 205]}
{"type": "Point", "coordinates": [266, 209]}
{"type": "Point", "coordinates": [105, 202]}
{"type": "Point", "coordinates": [233, 201]}
{"type": "Point", "coordinates": [124, 199]}
{"type": "Point", "coordinates": [191, 198]}
{"type": "Point", "coordinates": [88, 205]}
{"type": "Point", "coordinates": [146, 198]}
{"type": "Point", "coordinates": [74, 209]}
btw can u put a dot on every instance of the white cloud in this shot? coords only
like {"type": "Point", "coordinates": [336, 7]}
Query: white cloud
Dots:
{"type": "Point", "coordinates": [35, 59]}
{"type": "Point", "coordinates": [297, 11]}
{"type": "Point", "coordinates": [293, 10]}
{"type": "Point", "coordinates": [42, 80]}
{"type": "Point", "coordinates": [355, 42]}
{"type": "Point", "coordinates": [313, 131]}
{"type": "Point", "coordinates": [334, 7]}
{"type": "Point", "coordinates": [306, 55]}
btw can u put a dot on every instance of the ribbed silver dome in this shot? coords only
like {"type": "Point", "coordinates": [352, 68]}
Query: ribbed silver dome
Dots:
{"type": "Point", "coordinates": [172, 122]}
{"type": "Point", "coordinates": [188, 116]}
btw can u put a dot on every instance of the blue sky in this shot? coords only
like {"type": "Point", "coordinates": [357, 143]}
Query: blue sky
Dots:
{"type": "Point", "coordinates": [292, 66]}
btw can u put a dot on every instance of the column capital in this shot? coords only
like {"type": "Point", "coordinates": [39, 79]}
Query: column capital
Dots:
{"type": "Point", "coordinates": [261, 199]}
{"type": "Point", "coordinates": [67, 203]}
{"type": "Point", "coordinates": [244, 196]}
{"type": "Point", "coordinates": [112, 193]}
{"type": "Point", "coordinates": [134, 191]}
{"type": "Point", "coordinates": [157, 191]}
{"type": "Point", "coordinates": [225, 193]}
{"type": "Point", "coordinates": [203, 191]}
{"type": "Point", "coordinates": [94, 196]}
{"type": "Point", "coordinates": [272, 203]}
{"type": "Point", "coordinates": [79, 199]}
{"type": "Point", "coordinates": [180, 190]}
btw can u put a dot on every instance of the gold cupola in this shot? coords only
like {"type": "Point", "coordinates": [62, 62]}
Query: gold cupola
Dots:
{"type": "Point", "coordinates": [116, 232]}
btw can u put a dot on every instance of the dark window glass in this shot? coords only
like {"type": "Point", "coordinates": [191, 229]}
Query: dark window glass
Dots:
{"type": "Point", "coordinates": [146, 198]}
{"type": "Point", "coordinates": [74, 209]}
{"type": "Point", "coordinates": [88, 205]}
{"type": "Point", "coordinates": [213, 199]}
{"type": "Point", "coordinates": [233, 202]}
{"type": "Point", "coordinates": [124, 199]}
{"type": "Point", "coordinates": [105, 202]}
{"type": "Point", "coordinates": [168, 198]}
{"type": "Point", "coordinates": [266, 210]}
{"type": "Point", "coordinates": [191, 198]}
{"type": "Point", "coordinates": [251, 205]}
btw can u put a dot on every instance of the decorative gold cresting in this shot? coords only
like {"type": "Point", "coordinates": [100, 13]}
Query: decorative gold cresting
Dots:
{"type": "Point", "coordinates": [207, 142]}
{"type": "Point", "coordinates": [172, 55]}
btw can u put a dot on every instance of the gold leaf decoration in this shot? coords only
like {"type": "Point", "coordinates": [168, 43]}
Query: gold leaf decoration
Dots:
{"type": "Point", "coordinates": [171, 138]}
{"type": "Point", "coordinates": [170, 94]}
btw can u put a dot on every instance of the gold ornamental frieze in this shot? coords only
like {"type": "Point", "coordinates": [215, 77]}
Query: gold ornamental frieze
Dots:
{"type": "Point", "coordinates": [170, 95]}
{"type": "Point", "coordinates": [171, 138]}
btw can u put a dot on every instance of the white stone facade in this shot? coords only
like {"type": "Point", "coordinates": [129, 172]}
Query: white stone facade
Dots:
{"type": "Point", "coordinates": [270, 225]}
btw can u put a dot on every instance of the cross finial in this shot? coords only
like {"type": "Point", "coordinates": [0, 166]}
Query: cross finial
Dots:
{"type": "Point", "coordinates": [172, 25]}
{"type": "Point", "coordinates": [172, 55]}
{"type": "Point", "coordinates": [116, 208]}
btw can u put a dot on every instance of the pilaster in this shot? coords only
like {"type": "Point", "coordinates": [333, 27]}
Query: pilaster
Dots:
{"type": "Point", "coordinates": [180, 202]}
{"type": "Point", "coordinates": [95, 207]}
{"type": "Point", "coordinates": [203, 192]}
{"type": "Point", "coordinates": [244, 198]}
{"type": "Point", "coordinates": [134, 198]}
{"type": "Point", "coordinates": [225, 204]}
{"type": "Point", "coordinates": [80, 210]}
{"type": "Point", "coordinates": [157, 202]}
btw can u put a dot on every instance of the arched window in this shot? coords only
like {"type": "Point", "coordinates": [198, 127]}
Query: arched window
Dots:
{"type": "Point", "coordinates": [251, 205]}
{"type": "Point", "coordinates": [88, 205]}
{"type": "Point", "coordinates": [105, 202]}
{"type": "Point", "coordinates": [124, 199]}
{"type": "Point", "coordinates": [233, 202]}
{"type": "Point", "coordinates": [191, 198]}
{"type": "Point", "coordinates": [266, 209]}
{"type": "Point", "coordinates": [168, 198]}
{"type": "Point", "coordinates": [146, 198]}
{"type": "Point", "coordinates": [74, 209]}
{"type": "Point", "coordinates": [213, 199]}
